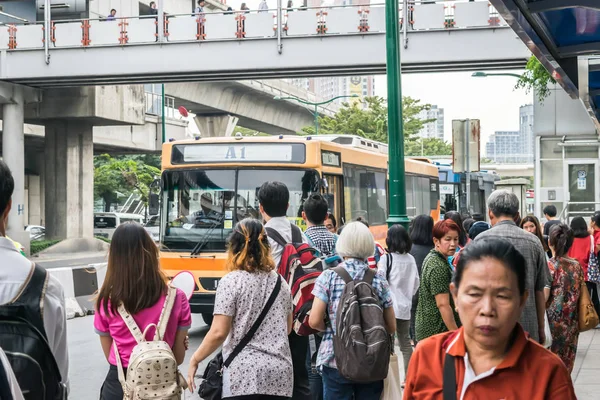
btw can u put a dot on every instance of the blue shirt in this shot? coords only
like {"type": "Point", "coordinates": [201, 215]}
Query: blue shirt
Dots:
{"type": "Point", "coordinates": [329, 288]}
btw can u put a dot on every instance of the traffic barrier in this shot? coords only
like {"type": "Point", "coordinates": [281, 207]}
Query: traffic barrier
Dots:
{"type": "Point", "coordinates": [80, 284]}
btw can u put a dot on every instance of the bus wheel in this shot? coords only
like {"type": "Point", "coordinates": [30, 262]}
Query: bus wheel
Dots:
{"type": "Point", "coordinates": [208, 318]}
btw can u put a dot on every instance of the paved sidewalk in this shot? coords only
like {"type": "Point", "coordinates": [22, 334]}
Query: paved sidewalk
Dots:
{"type": "Point", "coordinates": [586, 373]}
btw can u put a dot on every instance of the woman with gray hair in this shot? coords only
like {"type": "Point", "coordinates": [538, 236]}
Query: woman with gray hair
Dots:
{"type": "Point", "coordinates": [355, 245]}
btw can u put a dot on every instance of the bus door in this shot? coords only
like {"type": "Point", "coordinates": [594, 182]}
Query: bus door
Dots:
{"type": "Point", "coordinates": [333, 193]}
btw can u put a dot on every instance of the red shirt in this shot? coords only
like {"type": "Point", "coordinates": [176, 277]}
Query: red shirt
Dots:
{"type": "Point", "coordinates": [580, 251]}
{"type": "Point", "coordinates": [527, 372]}
{"type": "Point", "coordinates": [596, 238]}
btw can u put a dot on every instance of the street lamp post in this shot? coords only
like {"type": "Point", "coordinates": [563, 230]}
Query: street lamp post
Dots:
{"type": "Point", "coordinates": [480, 74]}
{"type": "Point", "coordinates": [315, 105]}
{"type": "Point", "coordinates": [397, 186]}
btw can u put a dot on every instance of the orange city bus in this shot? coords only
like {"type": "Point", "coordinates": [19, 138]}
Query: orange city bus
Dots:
{"type": "Point", "coordinates": [210, 184]}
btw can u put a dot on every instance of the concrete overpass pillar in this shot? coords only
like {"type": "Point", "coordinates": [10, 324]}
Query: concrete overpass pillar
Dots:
{"type": "Point", "coordinates": [13, 153]}
{"type": "Point", "coordinates": [216, 125]}
{"type": "Point", "coordinates": [69, 180]}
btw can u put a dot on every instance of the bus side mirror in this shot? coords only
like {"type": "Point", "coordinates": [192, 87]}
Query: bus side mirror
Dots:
{"type": "Point", "coordinates": [153, 204]}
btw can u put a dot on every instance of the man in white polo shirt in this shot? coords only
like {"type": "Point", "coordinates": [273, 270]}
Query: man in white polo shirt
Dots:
{"type": "Point", "coordinates": [16, 271]}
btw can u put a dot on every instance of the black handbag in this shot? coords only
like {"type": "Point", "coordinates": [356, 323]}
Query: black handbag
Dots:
{"type": "Point", "coordinates": [211, 387]}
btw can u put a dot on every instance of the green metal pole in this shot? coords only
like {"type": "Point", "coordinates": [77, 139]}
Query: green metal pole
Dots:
{"type": "Point", "coordinates": [397, 187]}
{"type": "Point", "coordinates": [164, 128]}
{"type": "Point", "coordinates": [316, 119]}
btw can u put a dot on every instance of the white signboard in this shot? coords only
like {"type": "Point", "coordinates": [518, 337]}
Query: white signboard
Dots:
{"type": "Point", "coordinates": [207, 153]}
{"type": "Point", "coordinates": [446, 189]}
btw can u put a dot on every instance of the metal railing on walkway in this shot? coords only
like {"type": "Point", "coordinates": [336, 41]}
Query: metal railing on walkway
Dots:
{"type": "Point", "coordinates": [248, 25]}
{"type": "Point", "coordinates": [566, 213]}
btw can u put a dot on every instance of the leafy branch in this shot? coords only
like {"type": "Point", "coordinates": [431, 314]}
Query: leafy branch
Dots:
{"type": "Point", "coordinates": [535, 78]}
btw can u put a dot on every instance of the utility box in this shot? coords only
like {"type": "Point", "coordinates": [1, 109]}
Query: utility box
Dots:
{"type": "Point", "coordinates": [519, 187]}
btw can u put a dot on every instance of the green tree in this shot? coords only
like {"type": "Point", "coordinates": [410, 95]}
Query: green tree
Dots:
{"type": "Point", "coordinates": [536, 77]}
{"type": "Point", "coordinates": [124, 174]}
{"type": "Point", "coordinates": [428, 147]}
{"type": "Point", "coordinates": [370, 121]}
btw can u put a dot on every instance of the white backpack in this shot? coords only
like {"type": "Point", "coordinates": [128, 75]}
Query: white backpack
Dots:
{"type": "Point", "coordinates": [152, 371]}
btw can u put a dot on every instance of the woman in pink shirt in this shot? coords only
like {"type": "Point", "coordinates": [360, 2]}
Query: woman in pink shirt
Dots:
{"type": "Point", "coordinates": [134, 279]}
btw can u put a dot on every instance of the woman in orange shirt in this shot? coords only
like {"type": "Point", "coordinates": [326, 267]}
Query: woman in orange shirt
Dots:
{"type": "Point", "coordinates": [490, 356]}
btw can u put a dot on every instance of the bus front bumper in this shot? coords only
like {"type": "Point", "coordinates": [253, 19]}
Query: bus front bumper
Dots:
{"type": "Point", "coordinates": [202, 303]}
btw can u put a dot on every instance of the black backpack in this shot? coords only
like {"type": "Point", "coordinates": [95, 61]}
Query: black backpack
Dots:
{"type": "Point", "coordinates": [23, 339]}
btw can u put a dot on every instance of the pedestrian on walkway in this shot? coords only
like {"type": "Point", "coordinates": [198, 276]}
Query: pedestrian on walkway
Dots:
{"type": "Point", "coordinates": [134, 280]}
{"type": "Point", "coordinates": [582, 251]}
{"type": "Point", "coordinates": [355, 245]}
{"type": "Point", "coordinates": [263, 368]}
{"type": "Point", "coordinates": [112, 15]}
{"type": "Point", "coordinates": [400, 270]}
{"type": "Point", "coordinates": [273, 198]}
{"type": "Point", "coordinates": [436, 312]}
{"type": "Point", "coordinates": [314, 213]}
{"type": "Point", "coordinates": [550, 212]}
{"type": "Point", "coordinates": [595, 231]}
{"type": "Point", "coordinates": [30, 292]}
{"type": "Point", "coordinates": [532, 225]}
{"type": "Point", "coordinates": [502, 207]}
{"type": "Point", "coordinates": [562, 306]}
{"type": "Point", "coordinates": [262, 6]}
{"type": "Point", "coordinates": [421, 236]}
{"type": "Point", "coordinates": [200, 8]}
{"type": "Point", "coordinates": [491, 356]}
{"type": "Point", "coordinates": [331, 223]}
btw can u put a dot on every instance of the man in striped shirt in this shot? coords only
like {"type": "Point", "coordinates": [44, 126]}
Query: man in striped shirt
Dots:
{"type": "Point", "coordinates": [319, 237]}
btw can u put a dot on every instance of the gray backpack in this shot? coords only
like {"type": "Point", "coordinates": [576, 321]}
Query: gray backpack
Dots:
{"type": "Point", "coordinates": [361, 344]}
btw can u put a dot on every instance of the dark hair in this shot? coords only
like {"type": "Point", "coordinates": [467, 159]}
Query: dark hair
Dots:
{"type": "Point", "coordinates": [550, 211]}
{"type": "Point", "coordinates": [596, 219]}
{"type": "Point", "coordinates": [133, 276]}
{"type": "Point", "coordinates": [275, 198]}
{"type": "Point", "coordinates": [7, 186]}
{"type": "Point", "coordinates": [249, 248]}
{"type": "Point", "coordinates": [397, 240]}
{"type": "Point", "coordinates": [468, 223]}
{"type": "Point", "coordinates": [477, 228]}
{"type": "Point", "coordinates": [441, 228]}
{"type": "Point", "coordinates": [332, 218]}
{"type": "Point", "coordinates": [201, 1]}
{"type": "Point", "coordinates": [462, 235]}
{"type": "Point", "coordinates": [315, 208]}
{"type": "Point", "coordinates": [538, 229]}
{"type": "Point", "coordinates": [561, 238]}
{"type": "Point", "coordinates": [580, 228]}
{"type": "Point", "coordinates": [364, 221]}
{"type": "Point", "coordinates": [499, 249]}
{"type": "Point", "coordinates": [151, 3]}
{"type": "Point", "coordinates": [421, 230]}
{"type": "Point", "coordinates": [113, 10]}
{"type": "Point", "coordinates": [478, 217]}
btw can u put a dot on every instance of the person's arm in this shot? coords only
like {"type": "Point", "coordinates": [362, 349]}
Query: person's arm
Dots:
{"type": "Point", "coordinates": [390, 320]}
{"type": "Point", "coordinates": [290, 322]}
{"type": "Point", "coordinates": [106, 342]}
{"type": "Point", "coordinates": [542, 279]}
{"type": "Point", "coordinates": [442, 301]}
{"type": "Point", "coordinates": [179, 346]}
{"type": "Point", "coordinates": [219, 330]}
{"type": "Point", "coordinates": [316, 320]}
{"type": "Point", "coordinates": [55, 325]}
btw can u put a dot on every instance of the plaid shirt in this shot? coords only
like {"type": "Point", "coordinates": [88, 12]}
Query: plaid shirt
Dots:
{"type": "Point", "coordinates": [321, 239]}
{"type": "Point", "coordinates": [329, 288]}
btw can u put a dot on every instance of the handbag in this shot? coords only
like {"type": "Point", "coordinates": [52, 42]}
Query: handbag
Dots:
{"type": "Point", "coordinates": [392, 388]}
{"type": "Point", "coordinates": [211, 387]}
{"type": "Point", "coordinates": [588, 319]}
{"type": "Point", "coordinates": [593, 274]}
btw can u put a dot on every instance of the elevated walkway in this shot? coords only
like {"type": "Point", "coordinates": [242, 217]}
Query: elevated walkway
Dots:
{"type": "Point", "coordinates": [320, 41]}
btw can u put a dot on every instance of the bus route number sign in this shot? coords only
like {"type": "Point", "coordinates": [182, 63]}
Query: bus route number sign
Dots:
{"type": "Point", "coordinates": [331, 158]}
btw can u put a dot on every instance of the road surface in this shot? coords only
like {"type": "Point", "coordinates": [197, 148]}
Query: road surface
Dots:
{"type": "Point", "coordinates": [67, 261]}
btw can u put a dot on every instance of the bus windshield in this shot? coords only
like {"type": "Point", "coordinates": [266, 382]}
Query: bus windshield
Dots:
{"type": "Point", "coordinates": [203, 206]}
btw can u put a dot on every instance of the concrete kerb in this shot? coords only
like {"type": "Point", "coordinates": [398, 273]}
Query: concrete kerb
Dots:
{"type": "Point", "coordinates": [80, 284]}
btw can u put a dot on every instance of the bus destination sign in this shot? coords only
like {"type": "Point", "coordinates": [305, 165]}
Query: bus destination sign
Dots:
{"type": "Point", "coordinates": [239, 152]}
{"type": "Point", "coordinates": [331, 158]}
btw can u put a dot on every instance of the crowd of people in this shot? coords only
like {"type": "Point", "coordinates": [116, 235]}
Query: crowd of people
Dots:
{"type": "Point", "coordinates": [466, 300]}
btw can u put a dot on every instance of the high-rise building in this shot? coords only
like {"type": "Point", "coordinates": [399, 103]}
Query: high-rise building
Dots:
{"type": "Point", "coordinates": [433, 129]}
{"type": "Point", "coordinates": [526, 132]}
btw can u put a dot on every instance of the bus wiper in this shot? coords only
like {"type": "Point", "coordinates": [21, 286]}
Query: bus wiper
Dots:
{"type": "Point", "coordinates": [204, 239]}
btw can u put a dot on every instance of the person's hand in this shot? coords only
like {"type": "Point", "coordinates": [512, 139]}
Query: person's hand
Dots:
{"type": "Point", "coordinates": [542, 335]}
{"type": "Point", "coordinates": [193, 367]}
{"type": "Point", "coordinates": [186, 343]}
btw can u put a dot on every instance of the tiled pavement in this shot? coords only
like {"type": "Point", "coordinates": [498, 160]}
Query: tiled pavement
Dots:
{"type": "Point", "coordinates": [586, 373]}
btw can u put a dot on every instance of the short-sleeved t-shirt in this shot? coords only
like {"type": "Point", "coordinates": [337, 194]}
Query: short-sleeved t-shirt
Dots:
{"type": "Point", "coordinates": [435, 279]}
{"type": "Point", "coordinates": [329, 287]}
{"type": "Point", "coordinates": [113, 325]}
{"type": "Point", "coordinates": [549, 224]}
{"type": "Point", "coordinates": [264, 366]}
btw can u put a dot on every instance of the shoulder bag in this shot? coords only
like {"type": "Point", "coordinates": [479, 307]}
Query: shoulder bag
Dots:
{"type": "Point", "coordinates": [211, 387]}
{"type": "Point", "coordinates": [449, 378]}
{"type": "Point", "coordinates": [588, 319]}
